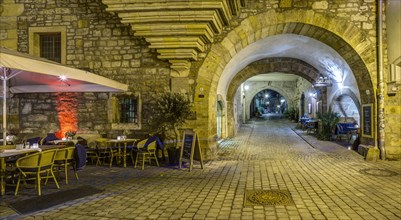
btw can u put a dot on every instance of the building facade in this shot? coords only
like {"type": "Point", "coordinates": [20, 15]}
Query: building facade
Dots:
{"type": "Point", "coordinates": [208, 50]}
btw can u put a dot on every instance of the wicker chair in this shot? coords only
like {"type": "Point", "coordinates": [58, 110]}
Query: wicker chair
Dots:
{"type": "Point", "coordinates": [64, 158]}
{"type": "Point", "coordinates": [35, 166]}
{"type": "Point", "coordinates": [104, 151]}
{"type": "Point", "coordinates": [146, 152]}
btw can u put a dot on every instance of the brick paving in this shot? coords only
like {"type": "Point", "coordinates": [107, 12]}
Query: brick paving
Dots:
{"type": "Point", "coordinates": [325, 180]}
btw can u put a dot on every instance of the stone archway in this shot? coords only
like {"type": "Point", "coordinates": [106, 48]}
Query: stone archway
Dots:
{"type": "Point", "coordinates": [349, 93]}
{"type": "Point", "coordinates": [250, 95]}
{"type": "Point", "coordinates": [349, 41]}
{"type": "Point", "coordinates": [283, 65]}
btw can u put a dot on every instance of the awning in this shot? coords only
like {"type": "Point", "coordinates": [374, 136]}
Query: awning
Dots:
{"type": "Point", "coordinates": [30, 74]}
{"type": "Point", "coordinates": [24, 73]}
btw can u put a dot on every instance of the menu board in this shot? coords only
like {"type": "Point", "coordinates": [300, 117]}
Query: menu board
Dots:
{"type": "Point", "coordinates": [188, 139]}
{"type": "Point", "coordinates": [190, 149]}
{"type": "Point", "coordinates": [367, 123]}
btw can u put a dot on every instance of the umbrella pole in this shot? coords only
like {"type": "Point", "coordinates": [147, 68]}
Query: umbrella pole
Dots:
{"type": "Point", "coordinates": [4, 78]}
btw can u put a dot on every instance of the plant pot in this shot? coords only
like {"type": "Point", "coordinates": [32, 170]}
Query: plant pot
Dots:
{"type": "Point", "coordinates": [173, 156]}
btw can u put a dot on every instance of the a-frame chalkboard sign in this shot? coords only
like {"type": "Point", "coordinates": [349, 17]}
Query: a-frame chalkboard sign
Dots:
{"type": "Point", "coordinates": [190, 149]}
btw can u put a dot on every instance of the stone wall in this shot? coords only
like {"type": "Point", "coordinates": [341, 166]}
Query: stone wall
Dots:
{"type": "Point", "coordinates": [304, 87]}
{"type": "Point", "coordinates": [98, 42]}
{"type": "Point", "coordinates": [9, 12]}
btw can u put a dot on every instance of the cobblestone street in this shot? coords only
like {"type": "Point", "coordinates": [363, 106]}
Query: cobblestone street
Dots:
{"type": "Point", "coordinates": [325, 180]}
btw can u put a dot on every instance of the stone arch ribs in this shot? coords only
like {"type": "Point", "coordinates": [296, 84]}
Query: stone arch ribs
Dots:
{"type": "Point", "coordinates": [346, 92]}
{"type": "Point", "coordinates": [282, 65]}
{"type": "Point", "coordinates": [178, 30]}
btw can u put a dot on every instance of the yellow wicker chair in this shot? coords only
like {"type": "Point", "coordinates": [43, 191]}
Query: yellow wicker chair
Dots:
{"type": "Point", "coordinates": [92, 153]}
{"type": "Point", "coordinates": [64, 158]}
{"type": "Point", "coordinates": [34, 166]}
{"type": "Point", "coordinates": [144, 153]}
{"type": "Point", "coordinates": [104, 151]}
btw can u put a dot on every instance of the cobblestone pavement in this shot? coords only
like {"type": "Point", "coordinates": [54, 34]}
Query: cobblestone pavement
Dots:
{"type": "Point", "coordinates": [326, 181]}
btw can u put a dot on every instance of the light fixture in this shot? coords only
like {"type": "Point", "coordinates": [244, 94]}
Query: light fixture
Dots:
{"type": "Point", "coordinates": [62, 78]}
{"type": "Point", "coordinates": [246, 87]}
{"type": "Point", "coordinates": [322, 81]}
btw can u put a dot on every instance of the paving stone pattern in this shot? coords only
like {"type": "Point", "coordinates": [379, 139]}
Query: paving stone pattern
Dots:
{"type": "Point", "coordinates": [324, 180]}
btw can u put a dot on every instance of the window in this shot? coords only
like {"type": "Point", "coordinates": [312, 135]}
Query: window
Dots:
{"type": "Point", "coordinates": [50, 46]}
{"type": "Point", "coordinates": [125, 111]}
{"type": "Point", "coordinates": [49, 42]}
{"type": "Point", "coordinates": [128, 109]}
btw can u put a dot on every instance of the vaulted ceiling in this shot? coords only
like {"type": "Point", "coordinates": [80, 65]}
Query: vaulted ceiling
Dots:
{"type": "Point", "coordinates": [178, 29]}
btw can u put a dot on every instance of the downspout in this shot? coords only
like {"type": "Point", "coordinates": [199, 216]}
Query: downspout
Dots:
{"type": "Point", "coordinates": [4, 78]}
{"type": "Point", "coordinates": [380, 92]}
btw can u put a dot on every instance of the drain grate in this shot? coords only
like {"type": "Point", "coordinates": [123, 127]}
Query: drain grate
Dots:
{"type": "Point", "coordinates": [378, 172]}
{"type": "Point", "coordinates": [268, 197]}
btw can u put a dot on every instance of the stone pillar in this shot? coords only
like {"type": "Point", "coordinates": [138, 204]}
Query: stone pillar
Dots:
{"type": "Point", "coordinates": [9, 13]}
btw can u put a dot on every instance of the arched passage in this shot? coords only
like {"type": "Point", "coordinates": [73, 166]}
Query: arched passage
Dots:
{"type": "Point", "coordinates": [353, 103]}
{"type": "Point", "coordinates": [343, 37]}
{"type": "Point", "coordinates": [251, 94]}
{"type": "Point", "coordinates": [283, 65]}
{"type": "Point", "coordinates": [266, 101]}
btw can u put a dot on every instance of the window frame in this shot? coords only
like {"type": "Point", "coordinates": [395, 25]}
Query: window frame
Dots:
{"type": "Point", "coordinates": [116, 123]}
{"type": "Point", "coordinates": [34, 39]}
{"type": "Point", "coordinates": [49, 44]}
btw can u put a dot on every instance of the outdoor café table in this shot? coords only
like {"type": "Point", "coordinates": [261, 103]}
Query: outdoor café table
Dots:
{"type": "Point", "coordinates": [120, 145]}
{"type": "Point", "coordinates": [10, 153]}
{"type": "Point", "coordinates": [75, 141]}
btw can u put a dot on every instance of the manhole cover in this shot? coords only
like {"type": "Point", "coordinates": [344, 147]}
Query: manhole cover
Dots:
{"type": "Point", "coordinates": [268, 197]}
{"type": "Point", "coordinates": [378, 172]}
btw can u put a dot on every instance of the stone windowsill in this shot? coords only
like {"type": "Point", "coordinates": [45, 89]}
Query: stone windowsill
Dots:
{"type": "Point", "coordinates": [126, 126]}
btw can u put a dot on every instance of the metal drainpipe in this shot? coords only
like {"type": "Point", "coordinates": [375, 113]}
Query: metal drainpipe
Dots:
{"type": "Point", "coordinates": [380, 93]}
{"type": "Point", "coordinates": [4, 78]}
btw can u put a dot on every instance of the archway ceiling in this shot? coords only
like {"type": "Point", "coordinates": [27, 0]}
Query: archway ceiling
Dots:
{"type": "Point", "coordinates": [322, 57]}
{"type": "Point", "coordinates": [274, 76]}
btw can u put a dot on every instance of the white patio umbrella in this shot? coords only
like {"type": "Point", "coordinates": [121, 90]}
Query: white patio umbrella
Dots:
{"type": "Point", "coordinates": [30, 74]}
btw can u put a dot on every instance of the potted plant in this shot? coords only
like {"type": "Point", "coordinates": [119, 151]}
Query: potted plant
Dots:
{"type": "Point", "coordinates": [328, 122]}
{"type": "Point", "coordinates": [170, 113]}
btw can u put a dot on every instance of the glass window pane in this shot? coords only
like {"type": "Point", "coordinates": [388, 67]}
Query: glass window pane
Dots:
{"type": "Point", "coordinates": [50, 46]}
{"type": "Point", "coordinates": [128, 109]}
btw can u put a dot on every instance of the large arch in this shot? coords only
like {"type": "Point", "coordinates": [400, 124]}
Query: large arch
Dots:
{"type": "Point", "coordinates": [251, 94]}
{"type": "Point", "coordinates": [282, 65]}
{"type": "Point", "coordinates": [344, 37]}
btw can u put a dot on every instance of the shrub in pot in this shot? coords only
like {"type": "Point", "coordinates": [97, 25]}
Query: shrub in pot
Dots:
{"type": "Point", "coordinates": [170, 113]}
{"type": "Point", "coordinates": [328, 121]}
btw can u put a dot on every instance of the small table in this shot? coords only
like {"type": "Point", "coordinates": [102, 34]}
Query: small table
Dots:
{"type": "Point", "coordinates": [6, 154]}
{"type": "Point", "coordinates": [122, 149]}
